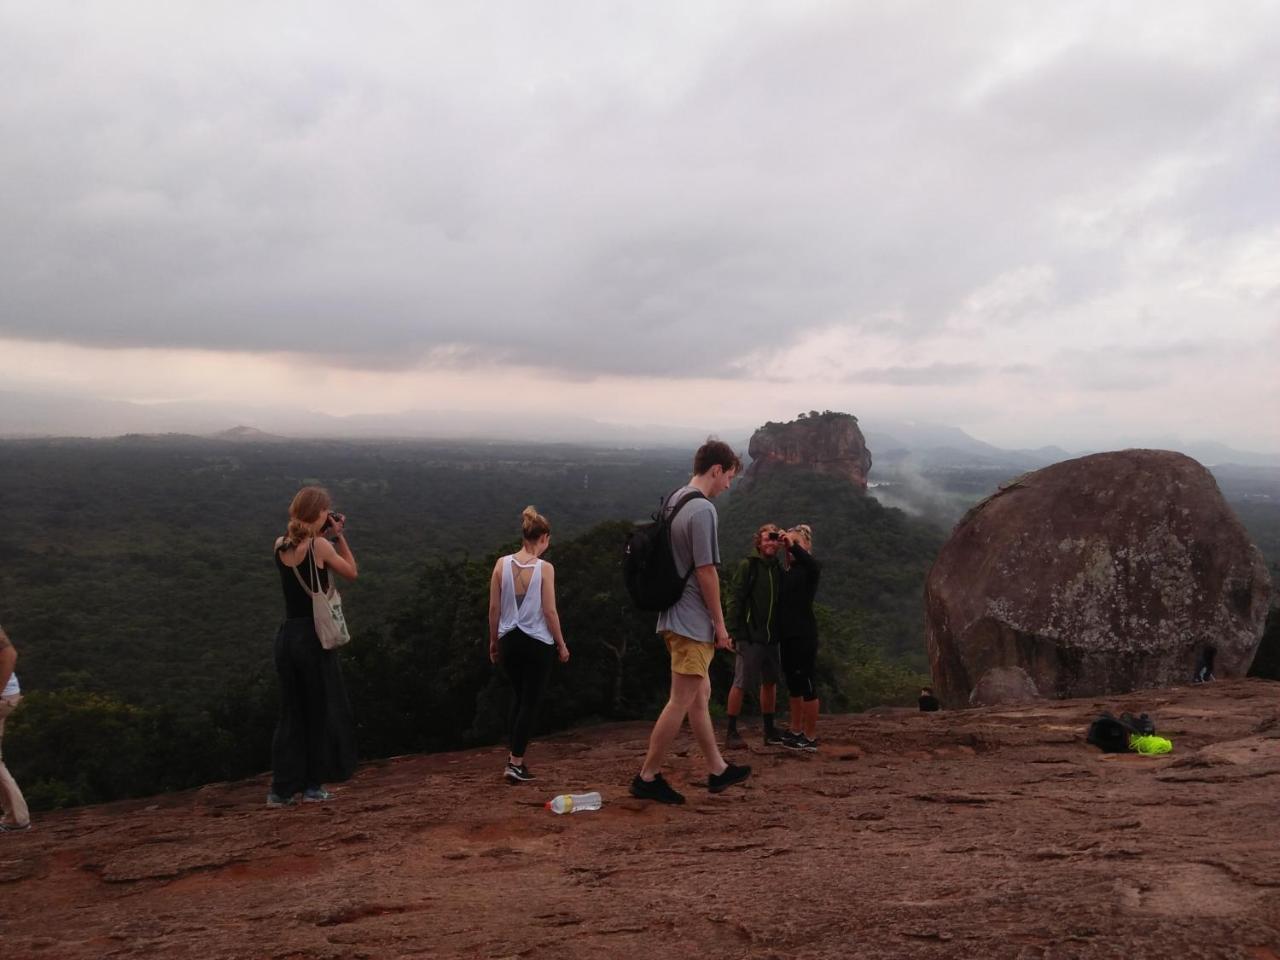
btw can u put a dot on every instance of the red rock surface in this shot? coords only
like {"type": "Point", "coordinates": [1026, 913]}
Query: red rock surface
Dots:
{"type": "Point", "coordinates": [985, 833]}
{"type": "Point", "coordinates": [827, 443]}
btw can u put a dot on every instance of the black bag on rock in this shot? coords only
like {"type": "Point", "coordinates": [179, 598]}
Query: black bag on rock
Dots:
{"type": "Point", "coordinates": [1108, 734]}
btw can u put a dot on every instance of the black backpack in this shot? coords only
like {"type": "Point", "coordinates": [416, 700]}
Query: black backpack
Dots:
{"type": "Point", "coordinates": [649, 566]}
{"type": "Point", "coordinates": [1108, 734]}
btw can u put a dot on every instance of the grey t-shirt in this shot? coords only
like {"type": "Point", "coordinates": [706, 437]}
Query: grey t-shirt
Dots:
{"type": "Point", "coordinates": [694, 543]}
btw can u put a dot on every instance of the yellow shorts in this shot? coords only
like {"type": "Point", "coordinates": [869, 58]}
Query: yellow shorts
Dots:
{"type": "Point", "coordinates": [689, 657]}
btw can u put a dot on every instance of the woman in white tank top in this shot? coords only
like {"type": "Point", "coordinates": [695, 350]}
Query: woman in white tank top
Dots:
{"type": "Point", "coordinates": [524, 632]}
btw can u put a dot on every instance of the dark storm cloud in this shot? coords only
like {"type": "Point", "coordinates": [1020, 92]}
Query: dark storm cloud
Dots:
{"type": "Point", "coordinates": [583, 189]}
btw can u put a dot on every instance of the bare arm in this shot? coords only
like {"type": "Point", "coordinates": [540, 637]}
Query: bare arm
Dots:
{"type": "Point", "coordinates": [337, 557]}
{"type": "Point", "coordinates": [8, 658]}
{"type": "Point", "coordinates": [495, 597]}
{"type": "Point", "coordinates": [709, 585]}
{"type": "Point", "coordinates": [549, 611]}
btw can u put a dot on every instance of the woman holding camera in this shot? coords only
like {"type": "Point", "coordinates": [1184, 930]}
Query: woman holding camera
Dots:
{"type": "Point", "coordinates": [524, 631]}
{"type": "Point", "coordinates": [314, 740]}
{"type": "Point", "coordinates": [798, 631]}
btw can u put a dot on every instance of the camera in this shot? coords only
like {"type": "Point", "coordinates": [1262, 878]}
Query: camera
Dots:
{"type": "Point", "coordinates": [773, 535]}
{"type": "Point", "coordinates": [331, 520]}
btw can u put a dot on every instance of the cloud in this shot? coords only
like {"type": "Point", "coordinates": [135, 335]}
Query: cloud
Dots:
{"type": "Point", "coordinates": [906, 196]}
{"type": "Point", "coordinates": [934, 374]}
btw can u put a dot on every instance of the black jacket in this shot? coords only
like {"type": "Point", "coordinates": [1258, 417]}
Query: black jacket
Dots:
{"type": "Point", "coordinates": [794, 617]}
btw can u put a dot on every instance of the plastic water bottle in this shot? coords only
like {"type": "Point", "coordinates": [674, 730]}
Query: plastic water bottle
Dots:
{"type": "Point", "coordinates": [573, 802]}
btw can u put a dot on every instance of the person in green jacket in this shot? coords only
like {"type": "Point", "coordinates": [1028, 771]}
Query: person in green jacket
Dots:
{"type": "Point", "coordinates": [753, 611]}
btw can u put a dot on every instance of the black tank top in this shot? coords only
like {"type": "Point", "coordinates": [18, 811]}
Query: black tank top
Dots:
{"type": "Point", "coordinates": [297, 602]}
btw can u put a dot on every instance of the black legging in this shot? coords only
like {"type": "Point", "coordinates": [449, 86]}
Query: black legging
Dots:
{"type": "Point", "coordinates": [527, 663]}
{"type": "Point", "coordinates": [799, 660]}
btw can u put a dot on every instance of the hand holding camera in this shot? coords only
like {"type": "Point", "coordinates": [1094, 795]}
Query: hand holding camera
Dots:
{"type": "Point", "coordinates": [334, 525]}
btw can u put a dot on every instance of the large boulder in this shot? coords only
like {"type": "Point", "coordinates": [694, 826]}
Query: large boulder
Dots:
{"type": "Point", "coordinates": [1094, 576]}
{"type": "Point", "coordinates": [828, 443]}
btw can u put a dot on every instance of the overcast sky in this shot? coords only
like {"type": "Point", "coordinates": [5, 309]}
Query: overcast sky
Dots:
{"type": "Point", "coordinates": [1045, 223]}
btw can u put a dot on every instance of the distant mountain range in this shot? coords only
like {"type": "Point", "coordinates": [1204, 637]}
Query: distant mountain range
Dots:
{"type": "Point", "coordinates": [893, 443]}
{"type": "Point", "coordinates": [931, 445]}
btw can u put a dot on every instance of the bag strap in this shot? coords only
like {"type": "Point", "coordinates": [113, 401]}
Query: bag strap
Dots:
{"type": "Point", "coordinates": [314, 569]}
{"type": "Point", "coordinates": [667, 521]}
{"type": "Point", "coordinates": [692, 495]}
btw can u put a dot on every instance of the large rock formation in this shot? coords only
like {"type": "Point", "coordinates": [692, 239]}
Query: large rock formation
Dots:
{"type": "Point", "coordinates": [1097, 575]}
{"type": "Point", "coordinates": [829, 443]}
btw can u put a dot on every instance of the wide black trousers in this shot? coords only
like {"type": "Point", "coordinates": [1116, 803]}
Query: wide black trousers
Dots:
{"type": "Point", "coordinates": [315, 741]}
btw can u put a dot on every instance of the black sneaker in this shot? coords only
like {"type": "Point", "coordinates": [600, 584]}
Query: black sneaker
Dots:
{"type": "Point", "coordinates": [655, 789]}
{"type": "Point", "coordinates": [793, 740]}
{"type": "Point", "coordinates": [732, 774]}
{"type": "Point", "coordinates": [774, 738]}
{"type": "Point", "coordinates": [518, 773]}
{"type": "Point", "coordinates": [733, 741]}
{"type": "Point", "coordinates": [807, 745]}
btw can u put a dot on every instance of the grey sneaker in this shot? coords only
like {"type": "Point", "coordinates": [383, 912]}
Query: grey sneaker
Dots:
{"type": "Point", "coordinates": [733, 741]}
{"type": "Point", "coordinates": [275, 800]}
{"type": "Point", "coordinates": [316, 795]}
{"type": "Point", "coordinates": [9, 826]}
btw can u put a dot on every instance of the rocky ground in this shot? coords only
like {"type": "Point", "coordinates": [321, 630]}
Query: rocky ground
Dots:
{"type": "Point", "coordinates": [986, 833]}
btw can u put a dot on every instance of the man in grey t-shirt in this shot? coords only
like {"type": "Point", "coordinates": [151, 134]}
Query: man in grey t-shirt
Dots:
{"type": "Point", "coordinates": [693, 629]}
{"type": "Point", "coordinates": [695, 542]}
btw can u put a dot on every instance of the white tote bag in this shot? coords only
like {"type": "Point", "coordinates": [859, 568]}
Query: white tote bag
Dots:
{"type": "Point", "coordinates": [326, 607]}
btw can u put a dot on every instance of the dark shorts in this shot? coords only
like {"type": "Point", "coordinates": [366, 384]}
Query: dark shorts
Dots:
{"type": "Point", "coordinates": [756, 663]}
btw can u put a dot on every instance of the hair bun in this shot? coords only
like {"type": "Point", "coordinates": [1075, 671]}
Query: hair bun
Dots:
{"type": "Point", "coordinates": [533, 524]}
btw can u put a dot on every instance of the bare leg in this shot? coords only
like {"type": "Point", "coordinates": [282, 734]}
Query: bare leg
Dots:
{"type": "Point", "coordinates": [811, 718]}
{"type": "Point", "coordinates": [768, 697]}
{"type": "Point", "coordinates": [703, 732]}
{"type": "Point", "coordinates": [684, 690]}
{"type": "Point", "coordinates": [733, 706]}
{"type": "Point", "coordinates": [797, 714]}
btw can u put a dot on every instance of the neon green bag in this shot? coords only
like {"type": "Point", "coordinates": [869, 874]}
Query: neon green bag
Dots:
{"type": "Point", "coordinates": [1149, 744]}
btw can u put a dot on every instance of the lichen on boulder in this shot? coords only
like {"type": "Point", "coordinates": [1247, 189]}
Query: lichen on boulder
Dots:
{"type": "Point", "coordinates": [1098, 575]}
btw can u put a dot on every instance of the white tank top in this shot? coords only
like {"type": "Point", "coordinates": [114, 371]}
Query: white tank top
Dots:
{"type": "Point", "coordinates": [527, 616]}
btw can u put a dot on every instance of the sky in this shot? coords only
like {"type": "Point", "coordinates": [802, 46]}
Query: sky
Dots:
{"type": "Point", "coordinates": [1043, 223]}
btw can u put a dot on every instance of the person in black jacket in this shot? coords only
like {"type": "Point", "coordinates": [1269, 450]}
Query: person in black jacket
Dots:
{"type": "Point", "coordinates": [753, 614]}
{"type": "Point", "coordinates": [798, 632]}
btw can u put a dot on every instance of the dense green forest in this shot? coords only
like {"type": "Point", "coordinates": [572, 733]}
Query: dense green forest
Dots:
{"type": "Point", "coordinates": [140, 590]}
{"type": "Point", "coordinates": [138, 585]}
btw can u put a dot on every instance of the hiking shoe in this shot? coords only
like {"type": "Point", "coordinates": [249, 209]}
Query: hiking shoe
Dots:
{"type": "Point", "coordinates": [775, 738]}
{"type": "Point", "coordinates": [794, 740]}
{"type": "Point", "coordinates": [316, 795]}
{"type": "Point", "coordinates": [655, 789]}
{"type": "Point", "coordinates": [733, 741]}
{"type": "Point", "coordinates": [518, 773]}
{"type": "Point", "coordinates": [732, 774]}
{"type": "Point", "coordinates": [10, 827]}
{"type": "Point", "coordinates": [275, 800]}
{"type": "Point", "coordinates": [807, 745]}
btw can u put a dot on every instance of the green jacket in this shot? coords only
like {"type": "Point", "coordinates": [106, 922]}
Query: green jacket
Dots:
{"type": "Point", "coordinates": [754, 600]}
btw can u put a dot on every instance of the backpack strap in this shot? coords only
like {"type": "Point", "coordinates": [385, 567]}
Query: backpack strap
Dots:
{"type": "Point", "coordinates": [692, 495]}
{"type": "Point", "coordinates": [667, 521]}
